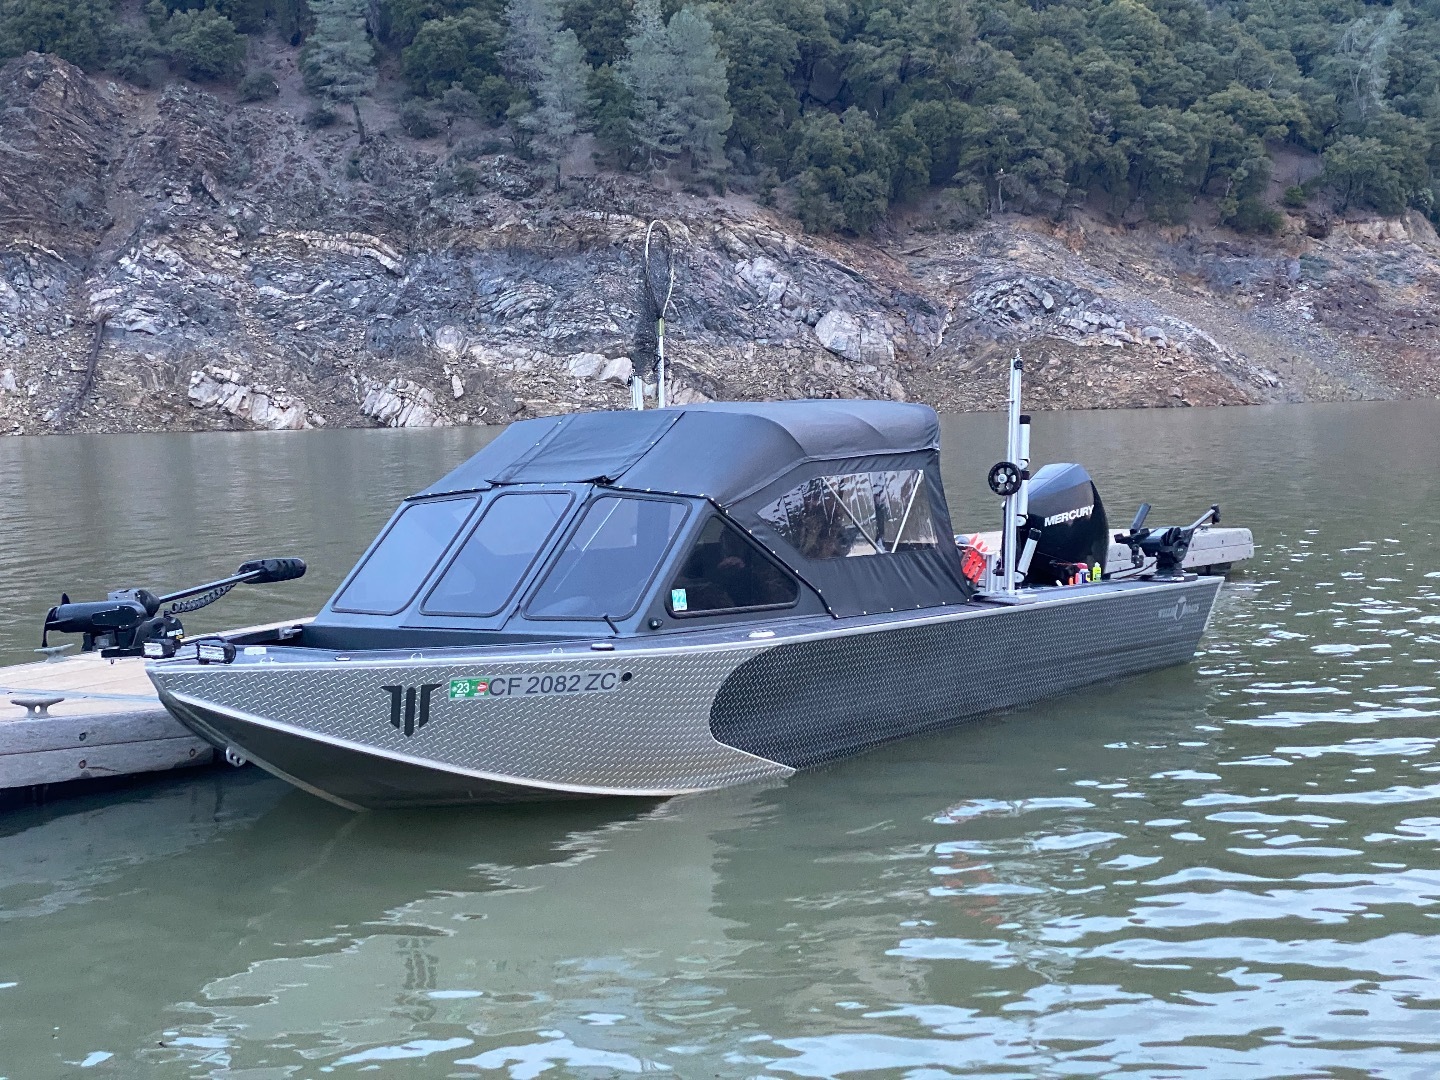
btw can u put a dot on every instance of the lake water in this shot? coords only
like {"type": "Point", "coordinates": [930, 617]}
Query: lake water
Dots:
{"type": "Point", "coordinates": [1226, 870]}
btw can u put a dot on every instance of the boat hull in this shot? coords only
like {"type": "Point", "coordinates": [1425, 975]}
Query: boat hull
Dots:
{"type": "Point", "coordinates": [658, 717]}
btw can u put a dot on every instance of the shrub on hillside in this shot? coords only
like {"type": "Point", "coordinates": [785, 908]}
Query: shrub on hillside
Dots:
{"type": "Point", "coordinates": [258, 86]}
{"type": "Point", "coordinates": [204, 45]}
{"type": "Point", "coordinates": [136, 56]}
{"type": "Point", "coordinates": [417, 122]}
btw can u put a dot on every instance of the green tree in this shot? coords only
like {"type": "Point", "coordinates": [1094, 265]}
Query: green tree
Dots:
{"type": "Point", "coordinates": [75, 30]}
{"type": "Point", "coordinates": [601, 26]}
{"type": "Point", "coordinates": [457, 103]}
{"type": "Point", "coordinates": [677, 87]}
{"type": "Point", "coordinates": [700, 88]}
{"type": "Point", "coordinates": [248, 16]}
{"type": "Point", "coordinates": [400, 20]}
{"type": "Point", "coordinates": [761, 58]}
{"type": "Point", "coordinates": [464, 49]}
{"type": "Point", "coordinates": [1362, 172]}
{"type": "Point", "coordinates": [654, 126]}
{"type": "Point", "coordinates": [204, 45]}
{"type": "Point", "coordinates": [844, 167]}
{"type": "Point", "coordinates": [562, 96]}
{"type": "Point", "coordinates": [609, 105]}
{"type": "Point", "coordinates": [338, 59]}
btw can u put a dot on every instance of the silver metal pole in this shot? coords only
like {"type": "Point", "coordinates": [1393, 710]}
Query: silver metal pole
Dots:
{"type": "Point", "coordinates": [1012, 453]}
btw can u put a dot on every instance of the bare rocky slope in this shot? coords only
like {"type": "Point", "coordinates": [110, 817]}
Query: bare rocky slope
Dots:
{"type": "Point", "coordinates": [174, 261]}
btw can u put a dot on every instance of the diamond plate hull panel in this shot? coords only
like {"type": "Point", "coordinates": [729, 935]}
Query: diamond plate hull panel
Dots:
{"type": "Point", "coordinates": [651, 736]}
{"type": "Point", "coordinates": [806, 703]}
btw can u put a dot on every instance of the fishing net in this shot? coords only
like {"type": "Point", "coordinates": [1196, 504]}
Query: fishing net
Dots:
{"type": "Point", "coordinates": [657, 284]}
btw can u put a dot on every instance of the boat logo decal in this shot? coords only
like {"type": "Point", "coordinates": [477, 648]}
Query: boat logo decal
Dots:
{"type": "Point", "coordinates": [1178, 610]}
{"type": "Point", "coordinates": [1069, 516]}
{"type": "Point", "coordinates": [406, 712]}
{"type": "Point", "coordinates": [550, 684]}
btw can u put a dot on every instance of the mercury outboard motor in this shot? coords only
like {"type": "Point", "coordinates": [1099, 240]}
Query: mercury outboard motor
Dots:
{"type": "Point", "coordinates": [1067, 521]}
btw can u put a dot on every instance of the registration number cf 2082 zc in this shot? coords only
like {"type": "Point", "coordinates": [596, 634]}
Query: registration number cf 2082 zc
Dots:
{"type": "Point", "coordinates": [554, 684]}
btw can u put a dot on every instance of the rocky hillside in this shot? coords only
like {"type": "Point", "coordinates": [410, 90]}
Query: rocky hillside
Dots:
{"type": "Point", "coordinates": [173, 260]}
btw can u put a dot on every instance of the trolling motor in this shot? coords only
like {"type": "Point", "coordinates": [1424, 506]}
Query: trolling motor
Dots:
{"type": "Point", "coordinates": [1167, 547]}
{"type": "Point", "coordinates": [130, 623]}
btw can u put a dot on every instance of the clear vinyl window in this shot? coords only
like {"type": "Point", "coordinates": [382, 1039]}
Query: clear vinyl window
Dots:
{"type": "Point", "coordinates": [398, 566]}
{"type": "Point", "coordinates": [855, 514]}
{"type": "Point", "coordinates": [497, 554]}
{"type": "Point", "coordinates": [724, 571]}
{"type": "Point", "coordinates": [609, 560]}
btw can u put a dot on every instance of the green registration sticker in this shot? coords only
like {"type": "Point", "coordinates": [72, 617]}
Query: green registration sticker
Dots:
{"type": "Point", "coordinates": [468, 688]}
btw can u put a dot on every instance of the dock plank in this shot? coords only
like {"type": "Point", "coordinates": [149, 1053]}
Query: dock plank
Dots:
{"type": "Point", "coordinates": [111, 723]}
{"type": "Point", "coordinates": [64, 732]}
{"type": "Point", "coordinates": [92, 762]}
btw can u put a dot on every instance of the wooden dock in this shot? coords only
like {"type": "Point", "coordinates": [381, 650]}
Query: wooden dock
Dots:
{"type": "Point", "coordinates": [101, 719]}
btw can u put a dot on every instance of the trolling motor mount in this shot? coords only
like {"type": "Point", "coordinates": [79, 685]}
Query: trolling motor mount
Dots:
{"type": "Point", "coordinates": [129, 620]}
{"type": "Point", "coordinates": [1168, 547]}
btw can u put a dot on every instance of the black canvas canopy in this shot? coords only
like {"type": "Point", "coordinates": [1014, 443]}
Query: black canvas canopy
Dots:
{"type": "Point", "coordinates": [766, 463]}
{"type": "Point", "coordinates": [720, 451]}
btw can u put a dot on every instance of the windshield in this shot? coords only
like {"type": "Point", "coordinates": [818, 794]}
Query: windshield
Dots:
{"type": "Point", "coordinates": [497, 555]}
{"type": "Point", "coordinates": [396, 568]}
{"type": "Point", "coordinates": [609, 560]}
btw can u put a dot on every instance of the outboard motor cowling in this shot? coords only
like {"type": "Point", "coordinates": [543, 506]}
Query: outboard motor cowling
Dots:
{"type": "Point", "coordinates": [1067, 514]}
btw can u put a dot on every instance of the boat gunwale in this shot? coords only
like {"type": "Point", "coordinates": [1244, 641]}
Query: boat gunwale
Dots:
{"type": "Point", "coordinates": [977, 608]}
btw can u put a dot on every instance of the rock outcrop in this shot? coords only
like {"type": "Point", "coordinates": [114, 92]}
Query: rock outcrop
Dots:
{"type": "Point", "coordinates": [226, 267]}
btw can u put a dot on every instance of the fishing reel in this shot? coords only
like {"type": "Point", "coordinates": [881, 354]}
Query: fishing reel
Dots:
{"type": "Point", "coordinates": [130, 622]}
{"type": "Point", "coordinates": [1168, 547]}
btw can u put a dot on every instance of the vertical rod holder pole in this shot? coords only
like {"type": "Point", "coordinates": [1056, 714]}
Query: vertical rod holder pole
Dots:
{"type": "Point", "coordinates": [1016, 444]}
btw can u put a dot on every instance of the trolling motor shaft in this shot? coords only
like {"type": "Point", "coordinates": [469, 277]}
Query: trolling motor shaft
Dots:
{"type": "Point", "coordinates": [121, 624]}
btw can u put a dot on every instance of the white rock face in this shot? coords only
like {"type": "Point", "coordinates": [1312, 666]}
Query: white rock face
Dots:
{"type": "Point", "coordinates": [586, 365]}
{"type": "Point", "coordinates": [457, 387]}
{"type": "Point", "coordinates": [765, 277]}
{"type": "Point", "coordinates": [776, 288]}
{"type": "Point", "coordinates": [450, 340]}
{"type": "Point", "coordinates": [139, 319]}
{"type": "Point", "coordinates": [857, 341]}
{"type": "Point", "coordinates": [684, 394]}
{"type": "Point", "coordinates": [221, 389]}
{"type": "Point", "coordinates": [7, 380]}
{"type": "Point", "coordinates": [401, 403]}
{"type": "Point", "coordinates": [618, 371]}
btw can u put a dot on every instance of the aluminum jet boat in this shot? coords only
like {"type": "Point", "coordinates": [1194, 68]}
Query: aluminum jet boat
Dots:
{"type": "Point", "coordinates": [666, 601]}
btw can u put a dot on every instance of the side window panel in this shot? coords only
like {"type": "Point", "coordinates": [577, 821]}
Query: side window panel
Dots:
{"type": "Point", "coordinates": [609, 560]}
{"type": "Point", "coordinates": [396, 568]}
{"type": "Point", "coordinates": [497, 554]}
{"type": "Point", "coordinates": [855, 514]}
{"type": "Point", "coordinates": [724, 571]}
